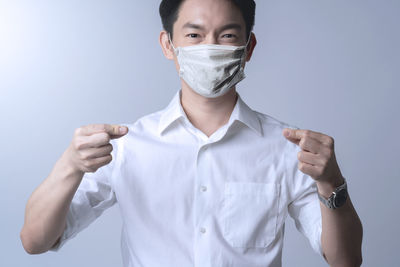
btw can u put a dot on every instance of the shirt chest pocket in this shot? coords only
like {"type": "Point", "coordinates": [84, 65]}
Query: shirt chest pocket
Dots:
{"type": "Point", "coordinates": [250, 213]}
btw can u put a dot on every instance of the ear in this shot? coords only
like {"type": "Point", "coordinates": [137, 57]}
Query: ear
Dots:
{"type": "Point", "coordinates": [250, 48]}
{"type": "Point", "coordinates": [166, 47]}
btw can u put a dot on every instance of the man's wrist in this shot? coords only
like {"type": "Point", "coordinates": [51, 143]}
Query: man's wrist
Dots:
{"type": "Point", "coordinates": [325, 189]}
{"type": "Point", "coordinates": [67, 167]}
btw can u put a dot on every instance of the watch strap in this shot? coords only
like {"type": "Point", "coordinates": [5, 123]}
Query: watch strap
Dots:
{"type": "Point", "coordinates": [330, 201]}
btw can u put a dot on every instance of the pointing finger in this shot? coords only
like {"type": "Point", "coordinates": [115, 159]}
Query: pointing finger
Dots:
{"type": "Point", "coordinates": [107, 128]}
{"type": "Point", "coordinates": [294, 134]}
{"type": "Point", "coordinates": [116, 130]}
{"type": "Point", "coordinates": [290, 135]}
{"type": "Point", "coordinates": [297, 134]}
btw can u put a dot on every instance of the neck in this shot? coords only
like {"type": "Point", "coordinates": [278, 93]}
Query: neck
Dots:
{"type": "Point", "coordinates": [208, 114]}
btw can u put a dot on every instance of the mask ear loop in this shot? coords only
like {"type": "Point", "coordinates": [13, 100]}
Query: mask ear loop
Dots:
{"type": "Point", "coordinates": [170, 41]}
{"type": "Point", "coordinates": [245, 52]}
{"type": "Point", "coordinates": [248, 40]}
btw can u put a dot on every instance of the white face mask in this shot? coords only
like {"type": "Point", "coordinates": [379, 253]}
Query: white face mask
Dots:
{"type": "Point", "coordinates": [211, 70]}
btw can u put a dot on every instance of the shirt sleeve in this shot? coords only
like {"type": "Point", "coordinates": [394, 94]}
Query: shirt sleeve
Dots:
{"type": "Point", "coordinates": [304, 207]}
{"type": "Point", "coordinates": [93, 196]}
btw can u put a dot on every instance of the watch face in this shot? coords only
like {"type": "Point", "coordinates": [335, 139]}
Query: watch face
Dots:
{"type": "Point", "coordinates": [340, 198]}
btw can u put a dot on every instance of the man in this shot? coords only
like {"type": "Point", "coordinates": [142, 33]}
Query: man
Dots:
{"type": "Point", "coordinates": [206, 181]}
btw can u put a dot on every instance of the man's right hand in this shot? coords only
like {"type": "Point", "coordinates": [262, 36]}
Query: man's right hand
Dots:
{"type": "Point", "coordinates": [90, 148]}
{"type": "Point", "coordinates": [47, 207]}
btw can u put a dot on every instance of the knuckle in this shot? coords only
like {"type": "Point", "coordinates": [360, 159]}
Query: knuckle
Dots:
{"type": "Point", "coordinates": [108, 148]}
{"type": "Point", "coordinates": [104, 137]}
{"type": "Point", "coordinates": [87, 164]}
{"type": "Point", "coordinates": [77, 145]}
{"type": "Point", "coordinates": [299, 154]}
{"type": "Point", "coordinates": [330, 153]}
{"type": "Point", "coordinates": [302, 142]}
{"type": "Point", "coordinates": [78, 131]}
{"type": "Point", "coordinates": [103, 127]}
{"type": "Point", "coordinates": [330, 141]}
{"type": "Point", "coordinates": [307, 133]}
{"type": "Point", "coordinates": [326, 152]}
{"type": "Point", "coordinates": [85, 156]}
{"type": "Point", "coordinates": [87, 169]}
{"type": "Point", "coordinates": [81, 155]}
{"type": "Point", "coordinates": [300, 165]}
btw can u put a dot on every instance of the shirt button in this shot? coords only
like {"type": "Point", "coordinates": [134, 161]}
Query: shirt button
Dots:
{"type": "Point", "coordinates": [204, 188]}
{"type": "Point", "coordinates": [202, 230]}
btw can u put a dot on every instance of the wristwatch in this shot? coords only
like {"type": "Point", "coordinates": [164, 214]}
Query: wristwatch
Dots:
{"type": "Point", "coordinates": [338, 197]}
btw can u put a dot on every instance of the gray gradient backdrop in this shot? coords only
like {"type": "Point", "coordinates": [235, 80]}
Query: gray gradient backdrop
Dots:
{"type": "Point", "coordinates": [328, 66]}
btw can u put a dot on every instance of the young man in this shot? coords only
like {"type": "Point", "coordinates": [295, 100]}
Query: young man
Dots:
{"type": "Point", "coordinates": [207, 181]}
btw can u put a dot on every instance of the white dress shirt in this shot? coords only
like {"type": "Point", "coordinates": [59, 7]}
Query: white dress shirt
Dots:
{"type": "Point", "coordinates": [191, 200]}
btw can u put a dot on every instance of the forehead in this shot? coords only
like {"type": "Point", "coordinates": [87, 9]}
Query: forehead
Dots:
{"type": "Point", "coordinates": [209, 13]}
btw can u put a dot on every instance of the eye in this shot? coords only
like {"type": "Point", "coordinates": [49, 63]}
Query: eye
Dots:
{"type": "Point", "coordinates": [192, 35]}
{"type": "Point", "coordinates": [228, 35]}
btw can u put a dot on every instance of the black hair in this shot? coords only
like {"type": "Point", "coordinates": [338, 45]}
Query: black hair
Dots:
{"type": "Point", "coordinates": [169, 10]}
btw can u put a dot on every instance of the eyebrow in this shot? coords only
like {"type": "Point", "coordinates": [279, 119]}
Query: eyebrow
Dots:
{"type": "Point", "coordinates": [223, 28]}
{"type": "Point", "coordinates": [193, 26]}
{"type": "Point", "coordinates": [231, 26]}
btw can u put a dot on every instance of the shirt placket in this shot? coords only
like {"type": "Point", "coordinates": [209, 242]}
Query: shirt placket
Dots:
{"type": "Point", "coordinates": [203, 194]}
{"type": "Point", "coordinates": [202, 198]}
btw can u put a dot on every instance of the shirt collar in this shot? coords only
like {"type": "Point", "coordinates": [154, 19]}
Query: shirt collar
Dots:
{"type": "Point", "coordinates": [241, 112]}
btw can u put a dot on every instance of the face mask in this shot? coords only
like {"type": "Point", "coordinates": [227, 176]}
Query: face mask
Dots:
{"type": "Point", "coordinates": [211, 70]}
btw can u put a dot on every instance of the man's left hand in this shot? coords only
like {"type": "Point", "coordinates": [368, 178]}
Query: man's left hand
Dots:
{"type": "Point", "coordinates": [317, 157]}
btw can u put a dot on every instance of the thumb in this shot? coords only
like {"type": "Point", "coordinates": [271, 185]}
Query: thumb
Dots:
{"type": "Point", "coordinates": [117, 131]}
{"type": "Point", "coordinates": [290, 135]}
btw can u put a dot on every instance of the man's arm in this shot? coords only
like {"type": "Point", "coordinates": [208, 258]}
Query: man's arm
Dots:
{"type": "Point", "coordinates": [341, 231]}
{"type": "Point", "coordinates": [47, 207]}
{"type": "Point", "coordinates": [341, 237]}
